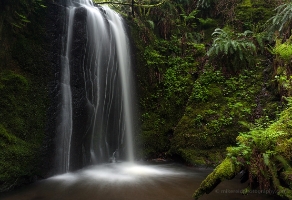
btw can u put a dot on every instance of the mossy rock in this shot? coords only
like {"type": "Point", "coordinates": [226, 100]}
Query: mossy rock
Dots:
{"type": "Point", "coordinates": [16, 157]}
{"type": "Point", "coordinates": [20, 129]}
{"type": "Point", "coordinates": [218, 109]}
{"type": "Point", "coordinates": [286, 176]}
{"type": "Point", "coordinates": [251, 13]}
{"type": "Point", "coordinates": [197, 157]}
{"type": "Point", "coordinates": [24, 75]}
{"type": "Point", "coordinates": [264, 154]}
{"type": "Point", "coordinates": [225, 171]}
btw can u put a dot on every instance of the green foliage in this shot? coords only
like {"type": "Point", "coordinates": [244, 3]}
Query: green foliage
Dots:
{"type": "Point", "coordinates": [218, 108]}
{"type": "Point", "coordinates": [246, 3]}
{"type": "Point", "coordinates": [19, 11]}
{"type": "Point", "coordinates": [201, 157]}
{"type": "Point", "coordinates": [262, 153]}
{"type": "Point", "coordinates": [206, 23]}
{"type": "Point", "coordinates": [15, 159]}
{"type": "Point", "coordinates": [157, 59]}
{"type": "Point", "coordinates": [192, 103]}
{"type": "Point", "coordinates": [13, 88]}
{"type": "Point", "coordinates": [260, 139]}
{"type": "Point", "coordinates": [200, 91]}
{"type": "Point", "coordinates": [205, 3]}
{"type": "Point", "coordinates": [283, 50]}
{"type": "Point", "coordinates": [282, 66]}
{"type": "Point", "coordinates": [237, 49]}
{"type": "Point", "coordinates": [189, 17]}
{"type": "Point", "coordinates": [225, 171]}
{"type": "Point", "coordinates": [24, 76]}
{"type": "Point", "coordinates": [167, 69]}
{"type": "Point", "coordinates": [282, 20]}
{"type": "Point", "coordinates": [153, 137]}
{"type": "Point", "coordinates": [251, 15]}
{"type": "Point", "coordinates": [284, 82]}
{"type": "Point", "coordinates": [151, 24]}
{"type": "Point", "coordinates": [262, 146]}
{"type": "Point", "coordinates": [19, 140]}
{"type": "Point", "coordinates": [175, 84]}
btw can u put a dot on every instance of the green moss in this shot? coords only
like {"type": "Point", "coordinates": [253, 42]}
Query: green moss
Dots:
{"type": "Point", "coordinates": [225, 171]}
{"type": "Point", "coordinates": [217, 110]}
{"type": "Point", "coordinates": [5, 137]}
{"type": "Point", "coordinates": [285, 148]}
{"type": "Point", "coordinates": [254, 13]}
{"type": "Point", "coordinates": [246, 3]}
{"type": "Point", "coordinates": [188, 105]}
{"type": "Point", "coordinates": [264, 154]}
{"type": "Point", "coordinates": [284, 51]}
{"type": "Point", "coordinates": [199, 157]}
{"type": "Point", "coordinates": [167, 68]}
{"type": "Point", "coordinates": [24, 74]}
{"type": "Point", "coordinates": [286, 176]}
{"type": "Point", "coordinates": [20, 129]}
{"type": "Point", "coordinates": [207, 23]}
{"type": "Point", "coordinates": [16, 157]}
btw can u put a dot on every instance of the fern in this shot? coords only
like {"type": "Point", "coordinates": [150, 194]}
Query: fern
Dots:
{"type": "Point", "coordinates": [283, 161]}
{"type": "Point", "coordinates": [205, 3]}
{"type": "Point", "coordinates": [284, 51]}
{"type": "Point", "coordinates": [266, 157]}
{"type": "Point", "coordinates": [237, 49]}
{"type": "Point", "coordinates": [21, 11]}
{"type": "Point", "coordinates": [151, 24]}
{"type": "Point", "coordinates": [282, 18]}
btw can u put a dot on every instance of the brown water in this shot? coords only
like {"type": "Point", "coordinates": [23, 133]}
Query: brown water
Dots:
{"type": "Point", "coordinates": [133, 182]}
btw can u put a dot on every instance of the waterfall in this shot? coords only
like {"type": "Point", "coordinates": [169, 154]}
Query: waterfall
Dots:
{"type": "Point", "coordinates": [96, 106]}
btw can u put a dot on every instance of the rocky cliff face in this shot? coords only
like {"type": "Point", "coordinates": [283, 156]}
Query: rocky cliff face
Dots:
{"type": "Point", "coordinates": [54, 26]}
{"type": "Point", "coordinates": [29, 53]}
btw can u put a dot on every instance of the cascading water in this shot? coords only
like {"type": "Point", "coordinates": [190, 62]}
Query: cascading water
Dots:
{"type": "Point", "coordinates": [95, 115]}
{"type": "Point", "coordinates": [96, 89]}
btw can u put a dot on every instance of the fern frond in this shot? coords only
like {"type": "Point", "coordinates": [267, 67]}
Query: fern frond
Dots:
{"type": "Point", "coordinates": [283, 161]}
{"type": "Point", "coordinates": [151, 23]}
{"type": "Point", "coordinates": [226, 47]}
{"type": "Point", "coordinates": [237, 48]}
{"type": "Point", "coordinates": [282, 17]}
{"type": "Point", "coordinates": [266, 159]}
{"type": "Point", "coordinates": [217, 48]}
{"type": "Point", "coordinates": [247, 32]}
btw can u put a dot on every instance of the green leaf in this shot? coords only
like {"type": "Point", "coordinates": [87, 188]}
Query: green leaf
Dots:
{"type": "Point", "coordinates": [266, 159]}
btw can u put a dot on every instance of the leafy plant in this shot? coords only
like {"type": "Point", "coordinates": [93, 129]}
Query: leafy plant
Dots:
{"type": "Point", "coordinates": [282, 20]}
{"type": "Point", "coordinates": [176, 84]}
{"type": "Point", "coordinates": [282, 66]}
{"type": "Point", "coordinates": [20, 11]}
{"type": "Point", "coordinates": [206, 23]}
{"type": "Point", "coordinates": [261, 154]}
{"type": "Point", "coordinates": [283, 50]}
{"type": "Point", "coordinates": [189, 17]}
{"type": "Point", "coordinates": [232, 50]}
{"type": "Point", "coordinates": [205, 3]}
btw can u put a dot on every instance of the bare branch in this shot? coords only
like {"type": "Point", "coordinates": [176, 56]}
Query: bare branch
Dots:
{"type": "Point", "coordinates": [129, 4]}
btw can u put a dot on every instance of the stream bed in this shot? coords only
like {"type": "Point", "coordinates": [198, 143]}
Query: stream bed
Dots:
{"type": "Point", "coordinates": [128, 181]}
